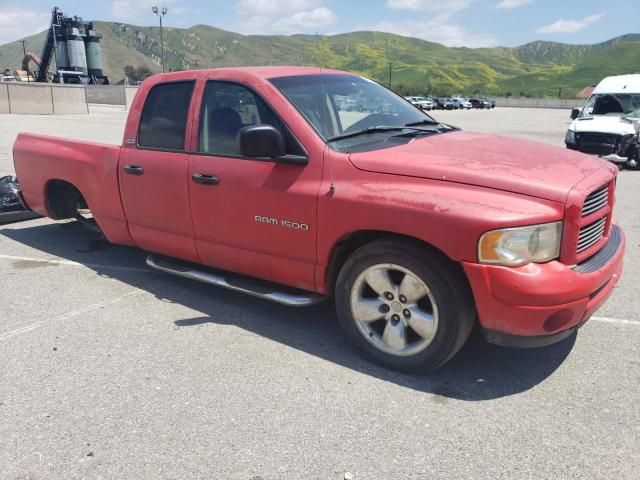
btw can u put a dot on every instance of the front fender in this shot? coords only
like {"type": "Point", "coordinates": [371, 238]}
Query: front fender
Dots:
{"type": "Point", "coordinates": [449, 216]}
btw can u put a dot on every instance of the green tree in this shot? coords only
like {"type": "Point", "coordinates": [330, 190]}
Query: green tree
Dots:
{"type": "Point", "coordinates": [143, 72]}
{"type": "Point", "coordinates": [137, 74]}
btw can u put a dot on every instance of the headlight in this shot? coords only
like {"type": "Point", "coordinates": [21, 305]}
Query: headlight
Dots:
{"type": "Point", "coordinates": [521, 245]}
{"type": "Point", "coordinates": [570, 137]}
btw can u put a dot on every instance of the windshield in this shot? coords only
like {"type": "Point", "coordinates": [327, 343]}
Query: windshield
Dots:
{"type": "Point", "coordinates": [614, 104]}
{"type": "Point", "coordinates": [339, 104]}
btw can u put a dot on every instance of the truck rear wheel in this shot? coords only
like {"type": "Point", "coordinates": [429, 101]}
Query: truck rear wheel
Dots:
{"type": "Point", "coordinates": [404, 306]}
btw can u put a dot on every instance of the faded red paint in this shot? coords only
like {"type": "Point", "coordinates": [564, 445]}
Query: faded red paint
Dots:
{"type": "Point", "coordinates": [445, 190]}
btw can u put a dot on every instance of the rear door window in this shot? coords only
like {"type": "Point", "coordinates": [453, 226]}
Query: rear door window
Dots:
{"type": "Point", "coordinates": [164, 116]}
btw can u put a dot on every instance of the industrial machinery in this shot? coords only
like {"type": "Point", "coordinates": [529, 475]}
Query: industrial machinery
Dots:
{"type": "Point", "coordinates": [75, 46]}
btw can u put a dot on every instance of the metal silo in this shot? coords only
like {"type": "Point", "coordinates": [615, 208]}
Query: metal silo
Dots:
{"type": "Point", "coordinates": [94, 52]}
{"type": "Point", "coordinates": [76, 51]}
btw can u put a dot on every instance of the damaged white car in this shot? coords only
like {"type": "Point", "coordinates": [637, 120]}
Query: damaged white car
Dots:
{"type": "Point", "coordinates": [609, 122]}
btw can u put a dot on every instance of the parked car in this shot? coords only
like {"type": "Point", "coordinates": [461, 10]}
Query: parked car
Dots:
{"type": "Point", "coordinates": [425, 103]}
{"type": "Point", "coordinates": [480, 103]}
{"type": "Point", "coordinates": [447, 104]}
{"type": "Point", "coordinates": [492, 103]}
{"type": "Point", "coordinates": [412, 100]}
{"type": "Point", "coordinates": [422, 103]}
{"type": "Point", "coordinates": [462, 103]}
{"type": "Point", "coordinates": [609, 122]}
{"type": "Point", "coordinates": [247, 171]}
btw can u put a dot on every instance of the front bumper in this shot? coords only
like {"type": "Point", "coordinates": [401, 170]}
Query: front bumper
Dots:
{"type": "Point", "coordinates": [539, 304]}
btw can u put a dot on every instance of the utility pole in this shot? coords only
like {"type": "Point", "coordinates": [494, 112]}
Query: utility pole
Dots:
{"type": "Point", "coordinates": [390, 68]}
{"type": "Point", "coordinates": [161, 13]}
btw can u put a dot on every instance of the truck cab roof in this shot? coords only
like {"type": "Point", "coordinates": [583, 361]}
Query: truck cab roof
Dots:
{"type": "Point", "coordinates": [265, 72]}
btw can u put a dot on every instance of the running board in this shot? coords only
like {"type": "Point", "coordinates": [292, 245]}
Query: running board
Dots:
{"type": "Point", "coordinates": [254, 288]}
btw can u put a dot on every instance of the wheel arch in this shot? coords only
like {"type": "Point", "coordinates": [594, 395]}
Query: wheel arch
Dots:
{"type": "Point", "coordinates": [62, 198]}
{"type": "Point", "coordinates": [352, 241]}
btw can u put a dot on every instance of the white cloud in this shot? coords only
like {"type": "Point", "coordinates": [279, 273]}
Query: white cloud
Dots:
{"type": "Point", "coordinates": [436, 31]}
{"type": "Point", "coordinates": [513, 3]}
{"type": "Point", "coordinates": [16, 23]}
{"type": "Point", "coordinates": [133, 10]}
{"type": "Point", "coordinates": [252, 8]}
{"type": "Point", "coordinates": [283, 16]}
{"type": "Point", "coordinates": [438, 27]}
{"type": "Point", "coordinates": [570, 26]}
{"type": "Point", "coordinates": [438, 6]}
{"type": "Point", "coordinates": [301, 21]}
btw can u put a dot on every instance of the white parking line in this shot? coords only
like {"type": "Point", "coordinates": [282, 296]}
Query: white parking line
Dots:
{"type": "Point", "coordinates": [619, 321]}
{"type": "Point", "coordinates": [70, 263]}
{"type": "Point", "coordinates": [71, 314]}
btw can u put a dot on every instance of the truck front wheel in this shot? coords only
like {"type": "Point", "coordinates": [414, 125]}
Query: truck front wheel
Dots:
{"type": "Point", "coordinates": [404, 306]}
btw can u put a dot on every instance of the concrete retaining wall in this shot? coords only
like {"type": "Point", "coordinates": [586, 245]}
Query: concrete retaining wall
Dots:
{"type": "Point", "coordinates": [539, 103]}
{"type": "Point", "coordinates": [71, 99]}
{"type": "Point", "coordinates": [106, 94]}
{"type": "Point", "coordinates": [47, 99]}
{"type": "Point", "coordinates": [42, 99]}
{"type": "Point", "coordinates": [129, 93]}
{"type": "Point", "coordinates": [31, 99]}
{"type": "Point", "coordinates": [4, 98]}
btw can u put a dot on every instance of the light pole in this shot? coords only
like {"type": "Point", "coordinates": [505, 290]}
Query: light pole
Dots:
{"type": "Point", "coordinates": [160, 13]}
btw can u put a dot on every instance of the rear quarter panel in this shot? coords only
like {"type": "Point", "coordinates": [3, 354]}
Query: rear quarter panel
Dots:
{"type": "Point", "coordinates": [90, 167]}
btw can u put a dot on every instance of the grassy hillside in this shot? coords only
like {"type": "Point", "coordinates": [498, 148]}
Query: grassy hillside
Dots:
{"type": "Point", "coordinates": [535, 69]}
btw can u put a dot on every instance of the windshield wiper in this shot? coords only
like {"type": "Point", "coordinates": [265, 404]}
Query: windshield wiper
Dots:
{"type": "Point", "coordinates": [422, 122]}
{"type": "Point", "coordinates": [379, 128]}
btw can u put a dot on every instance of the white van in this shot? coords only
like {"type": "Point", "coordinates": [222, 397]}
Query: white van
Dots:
{"type": "Point", "coordinates": [609, 122]}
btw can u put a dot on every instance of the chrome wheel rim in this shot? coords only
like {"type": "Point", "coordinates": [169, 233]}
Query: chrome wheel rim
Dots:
{"type": "Point", "coordinates": [394, 309]}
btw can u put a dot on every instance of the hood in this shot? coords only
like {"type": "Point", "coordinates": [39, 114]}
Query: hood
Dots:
{"type": "Point", "coordinates": [502, 163]}
{"type": "Point", "coordinates": [603, 124]}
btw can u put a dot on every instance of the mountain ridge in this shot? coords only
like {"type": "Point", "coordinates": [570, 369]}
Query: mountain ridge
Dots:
{"type": "Point", "coordinates": [539, 68]}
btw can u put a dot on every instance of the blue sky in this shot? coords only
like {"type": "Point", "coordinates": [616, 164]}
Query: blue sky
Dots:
{"type": "Point", "coordinates": [472, 23]}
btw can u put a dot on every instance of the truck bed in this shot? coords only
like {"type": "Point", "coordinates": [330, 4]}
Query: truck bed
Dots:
{"type": "Point", "coordinates": [90, 167]}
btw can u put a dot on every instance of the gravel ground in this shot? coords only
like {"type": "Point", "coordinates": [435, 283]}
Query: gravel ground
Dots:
{"type": "Point", "coordinates": [113, 371]}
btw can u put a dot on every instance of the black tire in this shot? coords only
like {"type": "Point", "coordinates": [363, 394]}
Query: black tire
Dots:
{"type": "Point", "coordinates": [632, 164]}
{"type": "Point", "coordinates": [445, 280]}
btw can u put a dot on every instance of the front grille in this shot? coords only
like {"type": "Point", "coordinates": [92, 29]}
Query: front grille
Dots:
{"type": "Point", "coordinates": [595, 201]}
{"type": "Point", "coordinates": [591, 234]}
{"type": "Point", "coordinates": [603, 257]}
{"type": "Point", "coordinates": [598, 143]}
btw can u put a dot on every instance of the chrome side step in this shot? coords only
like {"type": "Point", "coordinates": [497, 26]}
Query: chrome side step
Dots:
{"type": "Point", "coordinates": [257, 289]}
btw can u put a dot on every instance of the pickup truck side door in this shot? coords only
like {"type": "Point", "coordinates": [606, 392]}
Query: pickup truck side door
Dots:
{"type": "Point", "coordinates": [252, 216]}
{"type": "Point", "coordinates": [153, 171]}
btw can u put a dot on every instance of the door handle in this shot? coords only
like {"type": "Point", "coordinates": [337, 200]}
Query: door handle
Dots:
{"type": "Point", "coordinates": [133, 169]}
{"type": "Point", "coordinates": [204, 179]}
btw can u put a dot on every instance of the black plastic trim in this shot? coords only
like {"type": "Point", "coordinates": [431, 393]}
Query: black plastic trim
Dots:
{"type": "Point", "coordinates": [605, 254]}
{"type": "Point", "coordinates": [519, 341]}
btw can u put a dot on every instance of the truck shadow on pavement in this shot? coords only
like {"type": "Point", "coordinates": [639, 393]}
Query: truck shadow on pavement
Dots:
{"type": "Point", "coordinates": [479, 372]}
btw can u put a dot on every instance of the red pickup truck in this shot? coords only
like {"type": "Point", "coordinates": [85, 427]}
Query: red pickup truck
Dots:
{"type": "Point", "coordinates": [417, 229]}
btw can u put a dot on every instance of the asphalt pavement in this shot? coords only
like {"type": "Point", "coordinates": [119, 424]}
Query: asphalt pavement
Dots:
{"type": "Point", "coordinates": [112, 371]}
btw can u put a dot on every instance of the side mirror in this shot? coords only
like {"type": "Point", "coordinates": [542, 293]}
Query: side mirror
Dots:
{"type": "Point", "coordinates": [574, 113]}
{"type": "Point", "coordinates": [260, 141]}
{"type": "Point", "coordinates": [265, 141]}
